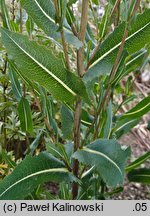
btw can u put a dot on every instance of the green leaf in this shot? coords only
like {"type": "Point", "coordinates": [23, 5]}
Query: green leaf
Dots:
{"type": "Point", "coordinates": [121, 69]}
{"type": "Point", "coordinates": [108, 159]}
{"type": "Point", "coordinates": [132, 63]}
{"type": "Point", "coordinates": [138, 37]}
{"type": "Point", "coordinates": [59, 151]}
{"type": "Point", "coordinates": [70, 16]}
{"type": "Point", "coordinates": [8, 159]}
{"type": "Point", "coordinates": [139, 110]}
{"type": "Point", "coordinates": [29, 25]}
{"type": "Point", "coordinates": [104, 23]}
{"type": "Point", "coordinates": [43, 67]}
{"type": "Point", "coordinates": [96, 2]}
{"type": "Point", "coordinates": [5, 105]}
{"type": "Point", "coordinates": [23, 77]}
{"type": "Point", "coordinates": [54, 150]}
{"type": "Point", "coordinates": [43, 14]}
{"type": "Point", "coordinates": [31, 172]}
{"type": "Point", "coordinates": [138, 162]}
{"type": "Point", "coordinates": [63, 9]}
{"type": "Point", "coordinates": [124, 126]}
{"type": "Point", "coordinates": [108, 123]}
{"type": "Point", "coordinates": [5, 16]}
{"type": "Point", "coordinates": [48, 110]}
{"type": "Point", "coordinates": [35, 143]}
{"type": "Point", "coordinates": [67, 122]}
{"type": "Point", "coordinates": [140, 175]}
{"type": "Point", "coordinates": [25, 115]}
{"type": "Point", "coordinates": [135, 60]}
{"type": "Point", "coordinates": [16, 88]}
{"type": "Point", "coordinates": [112, 1]}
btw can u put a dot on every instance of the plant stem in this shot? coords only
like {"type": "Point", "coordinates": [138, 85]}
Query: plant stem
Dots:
{"type": "Point", "coordinates": [92, 56]}
{"type": "Point", "coordinates": [117, 3]}
{"type": "Point", "coordinates": [108, 91]}
{"type": "Point", "coordinates": [137, 4]}
{"type": "Point", "coordinates": [65, 49]}
{"type": "Point", "coordinates": [78, 106]}
{"type": "Point", "coordinates": [64, 44]}
{"type": "Point", "coordinates": [4, 144]}
{"type": "Point", "coordinates": [13, 9]}
{"type": "Point", "coordinates": [81, 36]}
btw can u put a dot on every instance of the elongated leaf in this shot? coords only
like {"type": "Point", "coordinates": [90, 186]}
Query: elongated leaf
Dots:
{"type": "Point", "coordinates": [140, 175]}
{"type": "Point", "coordinates": [139, 110]}
{"type": "Point", "coordinates": [59, 151]}
{"type": "Point", "coordinates": [128, 120]}
{"type": "Point", "coordinates": [29, 25]}
{"type": "Point", "coordinates": [124, 126]}
{"type": "Point", "coordinates": [6, 105]}
{"type": "Point", "coordinates": [107, 157]}
{"type": "Point", "coordinates": [24, 78]}
{"type": "Point", "coordinates": [67, 122]}
{"type": "Point", "coordinates": [43, 67]}
{"type": "Point", "coordinates": [121, 68]}
{"type": "Point", "coordinates": [136, 60]}
{"type": "Point", "coordinates": [138, 162]}
{"type": "Point", "coordinates": [108, 123]}
{"type": "Point", "coordinates": [104, 23]}
{"type": "Point", "coordinates": [43, 14]}
{"type": "Point", "coordinates": [8, 159]}
{"type": "Point", "coordinates": [48, 111]}
{"type": "Point", "coordinates": [54, 150]}
{"type": "Point", "coordinates": [63, 9]}
{"type": "Point", "coordinates": [133, 63]}
{"type": "Point", "coordinates": [31, 172]}
{"type": "Point", "coordinates": [138, 37]}
{"type": "Point", "coordinates": [5, 16]}
{"type": "Point", "coordinates": [35, 143]}
{"type": "Point", "coordinates": [25, 115]}
{"type": "Point", "coordinates": [16, 88]}
{"type": "Point", "coordinates": [86, 118]}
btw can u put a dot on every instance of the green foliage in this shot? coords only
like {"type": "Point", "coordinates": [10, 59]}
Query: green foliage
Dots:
{"type": "Point", "coordinates": [108, 159]}
{"type": "Point", "coordinates": [137, 38]}
{"type": "Point", "coordinates": [45, 9]}
{"type": "Point", "coordinates": [138, 162]}
{"type": "Point", "coordinates": [67, 122]}
{"type": "Point", "coordinates": [31, 172]}
{"type": "Point", "coordinates": [139, 110]}
{"type": "Point", "coordinates": [48, 71]}
{"type": "Point", "coordinates": [25, 115]}
{"type": "Point", "coordinates": [16, 88]}
{"type": "Point", "coordinates": [140, 175]}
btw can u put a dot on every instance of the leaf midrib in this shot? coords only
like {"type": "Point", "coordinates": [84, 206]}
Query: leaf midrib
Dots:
{"type": "Point", "coordinates": [35, 174]}
{"type": "Point", "coordinates": [124, 125]}
{"type": "Point", "coordinates": [116, 46]}
{"type": "Point", "coordinates": [42, 66]}
{"type": "Point", "coordinates": [53, 21]}
{"type": "Point", "coordinates": [25, 115]}
{"type": "Point", "coordinates": [12, 76]}
{"type": "Point", "coordinates": [137, 111]}
{"type": "Point", "coordinates": [104, 156]}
